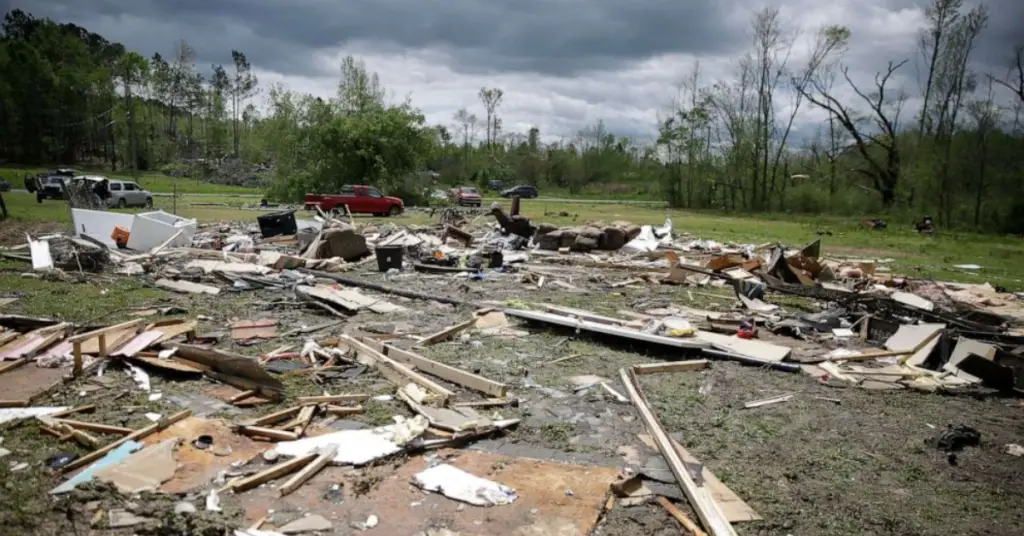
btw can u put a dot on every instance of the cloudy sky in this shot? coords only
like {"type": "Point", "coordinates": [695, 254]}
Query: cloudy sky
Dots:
{"type": "Point", "coordinates": [563, 64]}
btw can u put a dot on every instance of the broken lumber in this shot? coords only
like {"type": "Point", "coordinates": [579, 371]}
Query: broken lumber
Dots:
{"type": "Point", "coordinates": [446, 333]}
{"type": "Point", "coordinates": [343, 411]}
{"type": "Point", "coordinates": [679, 516]}
{"type": "Point", "coordinates": [674, 366]}
{"type": "Point", "coordinates": [132, 327]}
{"type": "Point", "coordinates": [93, 427]}
{"type": "Point", "coordinates": [276, 416]}
{"type": "Point", "coordinates": [382, 288]}
{"type": "Point", "coordinates": [7, 367]}
{"type": "Point", "coordinates": [330, 399]}
{"type": "Point", "coordinates": [394, 371]}
{"type": "Point", "coordinates": [309, 470]}
{"type": "Point", "coordinates": [23, 403]}
{"type": "Point", "coordinates": [700, 497]}
{"type": "Point", "coordinates": [445, 372]}
{"type": "Point", "coordinates": [271, 433]}
{"type": "Point", "coordinates": [267, 475]}
{"type": "Point", "coordinates": [242, 396]}
{"type": "Point", "coordinates": [138, 434]}
{"type": "Point", "coordinates": [768, 401]}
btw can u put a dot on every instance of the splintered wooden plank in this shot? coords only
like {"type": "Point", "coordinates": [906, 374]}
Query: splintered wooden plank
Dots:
{"type": "Point", "coordinates": [394, 371]}
{"type": "Point", "coordinates": [446, 333]}
{"type": "Point", "coordinates": [699, 496]}
{"type": "Point", "coordinates": [445, 372]}
{"type": "Point", "coordinates": [672, 366]}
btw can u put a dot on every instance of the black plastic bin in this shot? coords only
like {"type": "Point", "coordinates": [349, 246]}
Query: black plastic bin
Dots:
{"type": "Point", "coordinates": [278, 223]}
{"type": "Point", "coordinates": [389, 257]}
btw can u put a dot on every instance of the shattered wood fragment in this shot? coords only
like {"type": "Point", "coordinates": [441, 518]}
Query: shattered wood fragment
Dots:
{"type": "Point", "coordinates": [445, 372]}
{"type": "Point", "coordinates": [331, 399]}
{"type": "Point", "coordinates": [344, 411]}
{"type": "Point", "coordinates": [446, 333]}
{"type": "Point", "coordinates": [700, 497]}
{"type": "Point", "coordinates": [277, 416]}
{"type": "Point", "coordinates": [271, 433]}
{"type": "Point", "coordinates": [394, 371]}
{"type": "Point", "coordinates": [139, 434]}
{"type": "Point", "coordinates": [768, 401]}
{"type": "Point", "coordinates": [679, 516]}
{"type": "Point", "coordinates": [242, 396]}
{"type": "Point", "coordinates": [237, 370]}
{"type": "Point", "coordinates": [325, 456]}
{"type": "Point", "coordinates": [488, 403]}
{"type": "Point", "coordinates": [674, 366]}
{"type": "Point", "coordinates": [77, 409]}
{"type": "Point", "coordinates": [14, 403]}
{"type": "Point", "coordinates": [131, 327]}
{"type": "Point", "coordinates": [94, 427]}
{"type": "Point", "coordinates": [267, 475]}
{"type": "Point", "coordinates": [245, 330]}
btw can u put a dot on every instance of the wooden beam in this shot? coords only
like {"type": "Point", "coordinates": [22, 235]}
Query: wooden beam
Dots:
{"type": "Point", "coordinates": [93, 427]}
{"type": "Point", "coordinates": [77, 340]}
{"type": "Point", "coordinates": [446, 333]}
{"type": "Point", "coordinates": [23, 403]}
{"type": "Point", "coordinates": [267, 475]}
{"type": "Point", "coordinates": [243, 395]}
{"type": "Point", "coordinates": [138, 434]}
{"type": "Point", "coordinates": [78, 409]}
{"type": "Point", "coordinates": [267, 432]}
{"type": "Point", "coordinates": [699, 496]}
{"type": "Point", "coordinates": [277, 416]}
{"type": "Point", "coordinates": [445, 372]}
{"type": "Point", "coordinates": [672, 366]}
{"type": "Point", "coordinates": [682, 518]}
{"type": "Point", "coordinates": [489, 403]}
{"type": "Point", "coordinates": [331, 399]}
{"type": "Point", "coordinates": [309, 470]}
{"type": "Point", "coordinates": [342, 411]}
{"type": "Point", "coordinates": [396, 372]}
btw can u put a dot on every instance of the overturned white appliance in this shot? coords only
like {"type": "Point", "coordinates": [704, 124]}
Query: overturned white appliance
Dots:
{"type": "Point", "coordinates": [148, 229]}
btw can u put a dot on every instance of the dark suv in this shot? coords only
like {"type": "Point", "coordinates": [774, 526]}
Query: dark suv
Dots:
{"type": "Point", "coordinates": [524, 191]}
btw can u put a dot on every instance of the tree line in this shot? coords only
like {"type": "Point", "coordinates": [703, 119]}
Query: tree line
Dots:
{"type": "Point", "coordinates": [70, 96]}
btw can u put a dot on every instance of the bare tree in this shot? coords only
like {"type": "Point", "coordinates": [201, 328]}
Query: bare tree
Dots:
{"type": "Point", "coordinates": [984, 115]}
{"type": "Point", "coordinates": [771, 49]}
{"type": "Point", "coordinates": [941, 15]}
{"type": "Point", "coordinates": [830, 41]}
{"type": "Point", "coordinates": [883, 172]}
{"type": "Point", "coordinates": [491, 98]}
{"type": "Point", "coordinates": [1014, 81]}
{"type": "Point", "coordinates": [467, 123]}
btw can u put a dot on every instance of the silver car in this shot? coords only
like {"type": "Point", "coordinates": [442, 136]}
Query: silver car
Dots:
{"type": "Point", "coordinates": [128, 194]}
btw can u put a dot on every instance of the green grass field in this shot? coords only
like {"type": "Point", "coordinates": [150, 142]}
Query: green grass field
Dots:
{"type": "Point", "coordinates": [1001, 257]}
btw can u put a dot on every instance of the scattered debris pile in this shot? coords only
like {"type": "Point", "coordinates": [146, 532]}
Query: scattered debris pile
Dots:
{"type": "Point", "coordinates": [859, 325]}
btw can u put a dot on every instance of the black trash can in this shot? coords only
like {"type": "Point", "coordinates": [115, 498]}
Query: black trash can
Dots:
{"type": "Point", "coordinates": [389, 257]}
{"type": "Point", "coordinates": [278, 223]}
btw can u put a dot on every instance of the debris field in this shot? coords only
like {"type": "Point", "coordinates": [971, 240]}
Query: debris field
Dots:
{"type": "Point", "coordinates": [487, 374]}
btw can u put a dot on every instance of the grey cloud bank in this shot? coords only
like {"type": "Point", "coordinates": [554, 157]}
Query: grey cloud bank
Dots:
{"type": "Point", "coordinates": [563, 64]}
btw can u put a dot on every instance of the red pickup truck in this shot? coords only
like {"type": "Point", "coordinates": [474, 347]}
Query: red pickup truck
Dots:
{"type": "Point", "coordinates": [360, 200]}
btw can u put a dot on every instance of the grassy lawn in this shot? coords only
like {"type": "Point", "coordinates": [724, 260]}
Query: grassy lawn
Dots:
{"type": "Point", "coordinates": [154, 182]}
{"type": "Point", "coordinates": [1001, 257]}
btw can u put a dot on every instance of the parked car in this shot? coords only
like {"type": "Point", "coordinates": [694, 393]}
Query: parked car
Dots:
{"type": "Point", "coordinates": [125, 194]}
{"type": "Point", "coordinates": [495, 185]}
{"type": "Point", "coordinates": [465, 196]}
{"type": "Point", "coordinates": [5, 186]}
{"type": "Point", "coordinates": [360, 199]}
{"type": "Point", "coordinates": [523, 190]}
{"type": "Point", "coordinates": [50, 187]}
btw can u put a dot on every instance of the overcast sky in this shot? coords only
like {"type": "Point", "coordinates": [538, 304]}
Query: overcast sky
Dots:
{"type": "Point", "coordinates": [563, 64]}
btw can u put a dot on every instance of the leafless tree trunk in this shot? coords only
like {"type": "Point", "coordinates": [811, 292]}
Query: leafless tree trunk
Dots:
{"type": "Point", "coordinates": [883, 172]}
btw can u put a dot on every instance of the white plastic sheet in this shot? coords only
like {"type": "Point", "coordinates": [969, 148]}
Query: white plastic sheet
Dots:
{"type": "Point", "coordinates": [457, 484]}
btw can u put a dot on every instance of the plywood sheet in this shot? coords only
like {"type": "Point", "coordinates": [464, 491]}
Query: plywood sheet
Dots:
{"type": "Point", "coordinates": [543, 507]}
{"type": "Point", "coordinates": [197, 467]}
{"type": "Point", "coordinates": [752, 348]}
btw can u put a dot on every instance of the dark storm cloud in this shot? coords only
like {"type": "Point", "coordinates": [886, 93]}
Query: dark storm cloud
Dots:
{"type": "Point", "coordinates": [548, 36]}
